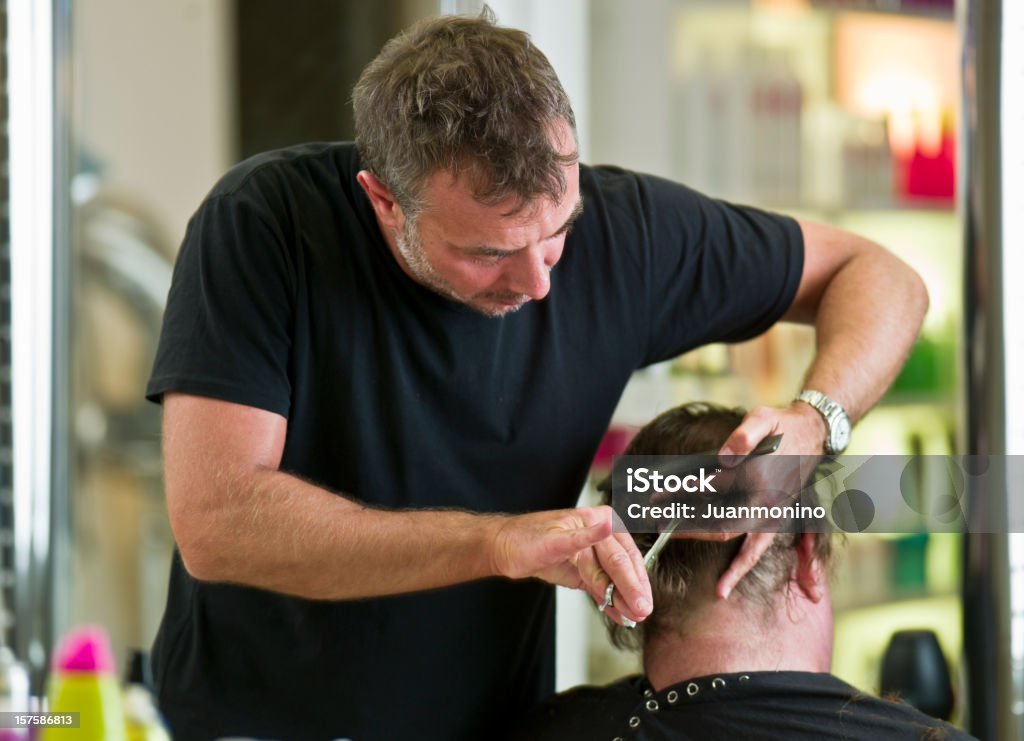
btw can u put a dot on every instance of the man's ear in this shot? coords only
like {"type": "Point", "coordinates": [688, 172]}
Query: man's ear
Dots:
{"type": "Point", "coordinates": [389, 213]}
{"type": "Point", "coordinates": [810, 574]}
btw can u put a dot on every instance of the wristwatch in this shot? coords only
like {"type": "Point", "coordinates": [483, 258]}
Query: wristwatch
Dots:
{"type": "Point", "coordinates": [836, 420]}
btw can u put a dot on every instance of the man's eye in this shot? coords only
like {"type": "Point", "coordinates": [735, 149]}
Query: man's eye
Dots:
{"type": "Point", "coordinates": [489, 259]}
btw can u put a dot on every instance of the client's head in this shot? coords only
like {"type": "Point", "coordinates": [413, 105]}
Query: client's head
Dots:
{"type": "Point", "coordinates": [792, 573]}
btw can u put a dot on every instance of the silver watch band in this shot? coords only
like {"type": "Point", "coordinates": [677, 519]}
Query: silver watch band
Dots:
{"type": "Point", "coordinates": [837, 422]}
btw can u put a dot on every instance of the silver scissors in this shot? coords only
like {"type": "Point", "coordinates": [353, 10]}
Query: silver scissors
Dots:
{"type": "Point", "coordinates": [769, 445]}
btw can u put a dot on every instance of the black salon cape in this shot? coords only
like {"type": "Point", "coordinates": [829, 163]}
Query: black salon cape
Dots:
{"type": "Point", "coordinates": [286, 298]}
{"type": "Point", "coordinates": [767, 706]}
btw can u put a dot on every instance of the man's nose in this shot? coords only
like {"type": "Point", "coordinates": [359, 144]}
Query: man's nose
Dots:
{"type": "Point", "coordinates": [533, 275]}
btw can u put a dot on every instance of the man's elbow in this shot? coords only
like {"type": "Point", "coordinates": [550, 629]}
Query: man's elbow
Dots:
{"type": "Point", "coordinates": [202, 565]}
{"type": "Point", "coordinates": [917, 296]}
{"type": "Point", "coordinates": [200, 548]}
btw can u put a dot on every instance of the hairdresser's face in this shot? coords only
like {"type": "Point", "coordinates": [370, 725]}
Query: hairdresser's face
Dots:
{"type": "Point", "coordinates": [483, 256]}
{"type": "Point", "coordinates": [478, 256]}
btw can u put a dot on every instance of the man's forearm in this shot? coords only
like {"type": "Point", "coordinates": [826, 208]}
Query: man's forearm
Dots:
{"type": "Point", "coordinates": [238, 518]}
{"type": "Point", "coordinates": [275, 531]}
{"type": "Point", "coordinates": [867, 323]}
{"type": "Point", "coordinates": [866, 319]}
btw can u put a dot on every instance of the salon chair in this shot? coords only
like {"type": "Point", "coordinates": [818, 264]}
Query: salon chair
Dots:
{"type": "Point", "coordinates": [915, 669]}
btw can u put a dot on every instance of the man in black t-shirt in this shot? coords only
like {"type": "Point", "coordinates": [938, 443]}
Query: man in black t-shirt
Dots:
{"type": "Point", "coordinates": [385, 369]}
{"type": "Point", "coordinates": [754, 666]}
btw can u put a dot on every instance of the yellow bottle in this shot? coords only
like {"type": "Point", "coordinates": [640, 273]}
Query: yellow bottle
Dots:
{"type": "Point", "coordinates": [84, 682]}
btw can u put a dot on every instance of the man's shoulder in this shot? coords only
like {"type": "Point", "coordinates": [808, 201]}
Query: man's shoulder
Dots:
{"type": "Point", "coordinates": [616, 180]}
{"type": "Point", "coordinates": [312, 164]}
{"type": "Point", "coordinates": [292, 198]}
{"type": "Point", "coordinates": [892, 714]}
{"type": "Point", "coordinates": [631, 196]}
{"type": "Point", "coordinates": [859, 714]}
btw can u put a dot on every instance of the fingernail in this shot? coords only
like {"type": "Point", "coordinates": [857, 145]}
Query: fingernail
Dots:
{"type": "Point", "coordinates": [643, 606]}
{"type": "Point", "coordinates": [726, 592]}
{"type": "Point", "coordinates": [628, 623]}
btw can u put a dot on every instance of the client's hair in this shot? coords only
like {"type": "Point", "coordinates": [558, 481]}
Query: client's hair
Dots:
{"type": "Point", "coordinates": [687, 564]}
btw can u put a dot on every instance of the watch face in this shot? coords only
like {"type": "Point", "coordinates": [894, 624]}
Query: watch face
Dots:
{"type": "Point", "coordinates": [840, 436]}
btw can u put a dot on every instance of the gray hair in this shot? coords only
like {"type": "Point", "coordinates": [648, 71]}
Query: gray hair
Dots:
{"type": "Point", "coordinates": [464, 95]}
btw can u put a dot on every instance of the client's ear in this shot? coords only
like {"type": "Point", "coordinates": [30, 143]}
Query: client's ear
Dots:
{"type": "Point", "coordinates": [810, 574]}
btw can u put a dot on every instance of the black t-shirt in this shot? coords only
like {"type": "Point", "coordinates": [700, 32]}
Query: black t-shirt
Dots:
{"type": "Point", "coordinates": [285, 297]}
{"type": "Point", "coordinates": [768, 706]}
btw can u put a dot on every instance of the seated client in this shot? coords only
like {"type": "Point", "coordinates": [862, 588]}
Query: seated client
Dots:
{"type": "Point", "coordinates": [754, 666]}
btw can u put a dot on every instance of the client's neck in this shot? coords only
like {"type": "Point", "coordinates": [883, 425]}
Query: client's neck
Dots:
{"type": "Point", "coordinates": [730, 636]}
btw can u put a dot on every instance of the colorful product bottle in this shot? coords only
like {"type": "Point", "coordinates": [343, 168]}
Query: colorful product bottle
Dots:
{"type": "Point", "coordinates": [84, 682]}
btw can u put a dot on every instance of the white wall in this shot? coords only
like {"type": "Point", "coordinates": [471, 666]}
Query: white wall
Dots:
{"type": "Point", "coordinates": [630, 67]}
{"type": "Point", "coordinates": [153, 100]}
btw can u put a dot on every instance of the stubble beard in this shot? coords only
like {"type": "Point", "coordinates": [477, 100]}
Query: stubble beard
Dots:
{"type": "Point", "coordinates": [411, 250]}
